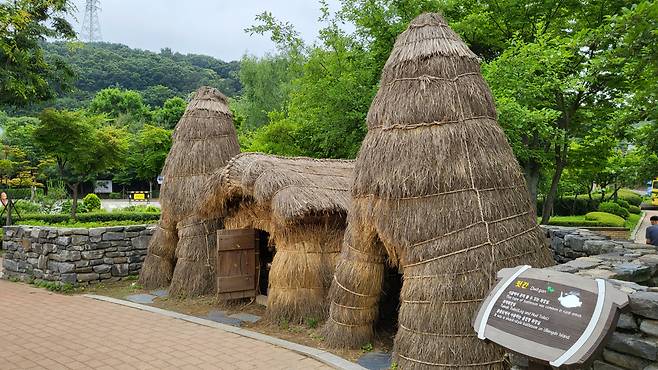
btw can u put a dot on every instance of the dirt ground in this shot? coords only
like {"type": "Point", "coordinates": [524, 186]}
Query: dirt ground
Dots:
{"type": "Point", "coordinates": [306, 334]}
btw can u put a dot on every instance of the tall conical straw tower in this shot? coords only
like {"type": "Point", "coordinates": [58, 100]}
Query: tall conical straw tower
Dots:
{"type": "Point", "coordinates": [204, 141]}
{"type": "Point", "coordinates": [439, 194]}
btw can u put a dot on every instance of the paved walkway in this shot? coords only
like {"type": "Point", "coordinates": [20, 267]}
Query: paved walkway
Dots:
{"type": "Point", "coordinates": [43, 330]}
{"type": "Point", "coordinates": [640, 237]}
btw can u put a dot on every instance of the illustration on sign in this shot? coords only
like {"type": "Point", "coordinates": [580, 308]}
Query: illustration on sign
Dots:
{"type": "Point", "coordinates": [548, 315]}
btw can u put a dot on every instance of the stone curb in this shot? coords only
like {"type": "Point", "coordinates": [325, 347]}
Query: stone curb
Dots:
{"type": "Point", "coordinates": [317, 354]}
{"type": "Point", "coordinates": [643, 214]}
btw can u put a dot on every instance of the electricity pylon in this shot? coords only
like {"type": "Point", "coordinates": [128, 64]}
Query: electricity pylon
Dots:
{"type": "Point", "coordinates": [91, 27]}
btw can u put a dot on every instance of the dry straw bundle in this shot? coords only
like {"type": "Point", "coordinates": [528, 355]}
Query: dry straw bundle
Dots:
{"type": "Point", "coordinates": [437, 193]}
{"type": "Point", "coordinates": [302, 203]}
{"type": "Point", "coordinates": [203, 141]}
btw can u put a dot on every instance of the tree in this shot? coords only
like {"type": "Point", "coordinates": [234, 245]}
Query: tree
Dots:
{"type": "Point", "coordinates": [115, 102]}
{"type": "Point", "coordinates": [26, 75]}
{"type": "Point", "coordinates": [81, 146]}
{"type": "Point", "coordinates": [171, 112]}
{"type": "Point", "coordinates": [148, 153]}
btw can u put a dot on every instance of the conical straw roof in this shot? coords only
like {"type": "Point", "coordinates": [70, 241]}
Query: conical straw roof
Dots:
{"type": "Point", "coordinates": [439, 194]}
{"type": "Point", "coordinates": [204, 140]}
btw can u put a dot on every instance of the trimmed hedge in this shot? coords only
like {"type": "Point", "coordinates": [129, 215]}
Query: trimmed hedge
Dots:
{"type": "Point", "coordinates": [572, 206]}
{"type": "Point", "coordinates": [634, 209]}
{"type": "Point", "coordinates": [92, 217]}
{"type": "Point", "coordinates": [623, 203]}
{"type": "Point", "coordinates": [607, 219]}
{"type": "Point", "coordinates": [614, 208]}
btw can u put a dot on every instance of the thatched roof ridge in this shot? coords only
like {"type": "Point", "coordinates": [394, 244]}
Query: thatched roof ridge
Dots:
{"type": "Point", "coordinates": [292, 188]}
{"type": "Point", "coordinates": [203, 142]}
{"type": "Point", "coordinates": [209, 99]}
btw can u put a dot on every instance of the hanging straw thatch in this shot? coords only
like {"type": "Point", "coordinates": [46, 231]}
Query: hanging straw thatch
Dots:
{"type": "Point", "coordinates": [438, 193]}
{"type": "Point", "coordinates": [301, 203]}
{"type": "Point", "coordinates": [203, 141]}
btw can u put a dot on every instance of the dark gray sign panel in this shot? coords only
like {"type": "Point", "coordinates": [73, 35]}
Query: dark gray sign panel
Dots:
{"type": "Point", "coordinates": [547, 315]}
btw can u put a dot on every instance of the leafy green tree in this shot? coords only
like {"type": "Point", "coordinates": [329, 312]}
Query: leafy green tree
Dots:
{"type": "Point", "coordinates": [171, 112]}
{"type": "Point", "coordinates": [26, 74]}
{"type": "Point", "coordinates": [81, 146]}
{"type": "Point", "coordinates": [148, 153]}
{"type": "Point", "coordinates": [115, 102]}
{"type": "Point", "coordinates": [156, 96]}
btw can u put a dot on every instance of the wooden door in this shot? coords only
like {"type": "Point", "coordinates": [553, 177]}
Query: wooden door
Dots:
{"type": "Point", "coordinates": [237, 264]}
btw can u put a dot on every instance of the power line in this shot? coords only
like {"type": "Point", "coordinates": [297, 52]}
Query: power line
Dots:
{"type": "Point", "coordinates": [91, 27]}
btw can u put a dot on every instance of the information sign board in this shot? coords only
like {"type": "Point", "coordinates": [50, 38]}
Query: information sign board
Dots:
{"type": "Point", "coordinates": [548, 315]}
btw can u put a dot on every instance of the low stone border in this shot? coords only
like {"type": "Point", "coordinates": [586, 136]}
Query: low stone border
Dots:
{"type": "Point", "coordinates": [314, 353]}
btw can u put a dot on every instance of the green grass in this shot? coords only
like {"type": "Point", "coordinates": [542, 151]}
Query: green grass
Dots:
{"type": "Point", "coordinates": [82, 225]}
{"type": "Point", "coordinates": [632, 221]}
{"type": "Point", "coordinates": [592, 219]}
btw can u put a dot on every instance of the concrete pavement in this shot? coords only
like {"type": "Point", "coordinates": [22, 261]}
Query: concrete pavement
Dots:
{"type": "Point", "coordinates": [112, 204]}
{"type": "Point", "coordinates": [640, 237]}
{"type": "Point", "coordinates": [43, 330]}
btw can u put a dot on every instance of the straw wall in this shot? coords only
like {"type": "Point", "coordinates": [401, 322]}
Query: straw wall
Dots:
{"type": "Point", "coordinates": [438, 191]}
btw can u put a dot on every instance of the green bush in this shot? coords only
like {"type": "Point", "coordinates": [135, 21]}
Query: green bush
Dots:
{"type": "Point", "coordinates": [607, 219]}
{"type": "Point", "coordinates": [21, 193]}
{"type": "Point", "coordinates": [571, 206]}
{"type": "Point", "coordinates": [139, 208]}
{"type": "Point", "coordinates": [142, 217]}
{"type": "Point", "coordinates": [25, 206]}
{"type": "Point", "coordinates": [92, 202]}
{"type": "Point", "coordinates": [115, 196]}
{"type": "Point", "coordinates": [614, 208]}
{"type": "Point", "coordinates": [623, 203]}
{"type": "Point", "coordinates": [630, 196]}
{"type": "Point", "coordinates": [634, 209]}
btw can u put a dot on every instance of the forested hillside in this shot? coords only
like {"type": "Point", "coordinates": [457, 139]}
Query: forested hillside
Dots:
{"type": "Point", "coordinates": [157, 76]}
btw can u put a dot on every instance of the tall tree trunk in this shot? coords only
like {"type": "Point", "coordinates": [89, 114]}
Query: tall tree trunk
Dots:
{"type": "Point", "coordinates": [150, 190]}
{"type": "Point", "coordinates": [74, 205]}
{"type": "Point", "coordinates": [531, 173]}
{"type": "Point", "coordinates": [560, 163]}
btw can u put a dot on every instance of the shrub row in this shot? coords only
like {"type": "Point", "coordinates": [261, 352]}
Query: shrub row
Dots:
{"type": "Point", "coordinates": [571, 205]}
{"type": "Point", "coordinates": [21, 193]}
{"type": "Point", "coordinates": [145, 217]}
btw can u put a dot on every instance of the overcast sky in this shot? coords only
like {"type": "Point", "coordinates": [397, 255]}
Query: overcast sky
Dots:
{"type": "Point", "coordinates": [212, 27]}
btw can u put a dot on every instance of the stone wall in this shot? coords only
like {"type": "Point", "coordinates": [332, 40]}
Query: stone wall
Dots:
{"type": "Point", "coordinates": [632, 268]}
{"type": "Point", "coordinates": [75, 256]}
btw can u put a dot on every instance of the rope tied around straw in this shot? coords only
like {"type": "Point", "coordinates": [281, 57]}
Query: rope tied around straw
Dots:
{"type": "Point", "coordinates": [355, 293]}
{"type": "Point", "coordinates": [451, 365]}
{"type": "Point", "coordinates": [437, 334]}
{"type": "Point", "coordinates": [343, 324]}
{"type": "Point", "coordinates": [401, 126]}
{"type": "Point", "coordinates": [350, 307]}
{"type": "Point", "coordinates": [429, 78]}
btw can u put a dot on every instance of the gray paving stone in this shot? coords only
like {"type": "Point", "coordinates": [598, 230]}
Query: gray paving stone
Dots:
{"type": "Point", "coordinates": [375, 361]}
{"type": "Point", "coordinates": [220, 317]}
{"type": "Point", "coordinates": [245, 317]}
{"type": "Point", "coordinates": [141, 298]}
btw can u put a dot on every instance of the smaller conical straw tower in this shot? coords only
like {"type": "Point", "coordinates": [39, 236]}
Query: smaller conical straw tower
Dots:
{"type": "Point", "coordinates": [438, 193]}
{"type": "Point", "coordinates": [203, 142]}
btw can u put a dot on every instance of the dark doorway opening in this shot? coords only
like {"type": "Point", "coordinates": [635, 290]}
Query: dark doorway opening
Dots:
{"type": "Point", "coordinates": [389, 306]}
{"type": "Point", "coordinates": [265, 257]}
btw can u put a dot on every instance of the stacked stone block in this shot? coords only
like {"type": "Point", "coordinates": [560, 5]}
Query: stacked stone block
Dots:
{"type": "Point", "coordinates": [74, 256]}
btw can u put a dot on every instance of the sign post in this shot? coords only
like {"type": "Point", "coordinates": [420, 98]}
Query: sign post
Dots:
{"type": "Point", "coordinates": [551, 317]}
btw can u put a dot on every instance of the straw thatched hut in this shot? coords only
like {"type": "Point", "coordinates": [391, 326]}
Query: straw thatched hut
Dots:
{"type": "Point", "coordinates": [203, 142]}
{"type": "Point", "coordinates": [302, 204]}
{"type": "Point", "coordinates": [438, 193]}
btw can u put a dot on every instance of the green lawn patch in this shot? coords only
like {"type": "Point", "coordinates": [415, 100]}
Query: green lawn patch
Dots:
{"type": "Point", "coordinates": [592, 219]}
{"type": "Point", "coordinates": [82, 225]}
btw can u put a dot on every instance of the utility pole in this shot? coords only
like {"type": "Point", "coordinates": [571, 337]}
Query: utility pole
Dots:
{"type": "Point", "coordinates": [91, 27]}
